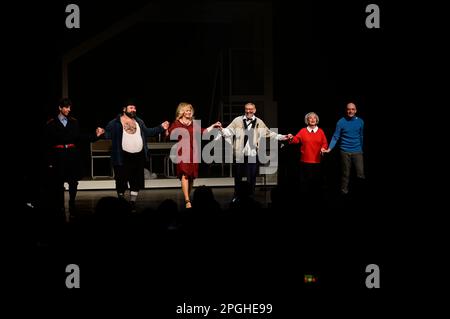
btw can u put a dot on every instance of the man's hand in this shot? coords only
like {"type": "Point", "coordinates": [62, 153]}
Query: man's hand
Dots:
{"type": "Point", "coordinates": [165, 125]}
{"type": "Point", "coordinates": [99, 131]}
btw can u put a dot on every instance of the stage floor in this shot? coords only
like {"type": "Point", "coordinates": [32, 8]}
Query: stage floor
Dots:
{"type": "Point", "coordinates": [151, 198]}
{"type": "Point", "coordinates": [157, 183]}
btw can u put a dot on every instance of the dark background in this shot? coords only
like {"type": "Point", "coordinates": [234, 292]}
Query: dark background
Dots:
{"type": "Point", "coordinates": [324, 56]}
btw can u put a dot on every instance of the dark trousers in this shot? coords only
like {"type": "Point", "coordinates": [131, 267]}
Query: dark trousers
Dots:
{"type": "Point", "coordinates": [73, 186]}
{"type": "Point", "coordinates": [132, 172]}
{"type": "Point", "coordinates": [64, 166]}
{"type": "Point", "coordinates": [347, 160]}
{"type": "Point", "coordinates": [310, 178]}
{"type": "Point", "coordinates": [55, 180]}
{"type": "Point", "coordinates": [248, 169]}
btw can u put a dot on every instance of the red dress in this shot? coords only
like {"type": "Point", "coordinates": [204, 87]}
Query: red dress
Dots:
{"type": "Point", "coordinates": [188, 168]}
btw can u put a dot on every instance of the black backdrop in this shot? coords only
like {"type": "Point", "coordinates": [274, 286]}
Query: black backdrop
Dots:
{"type": "Point", "coordinates": [323, 57]}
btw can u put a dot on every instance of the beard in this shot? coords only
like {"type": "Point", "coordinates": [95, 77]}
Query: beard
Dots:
{"type": "Point", "coordinates": [131, 115]}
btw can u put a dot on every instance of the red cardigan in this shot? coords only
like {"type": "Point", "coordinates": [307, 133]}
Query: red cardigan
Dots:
{"type": "Point", "coordinates": [311, 144]}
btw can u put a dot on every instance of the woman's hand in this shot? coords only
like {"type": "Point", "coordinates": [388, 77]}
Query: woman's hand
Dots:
{"type": "Point", "coordinates": [324, 150]}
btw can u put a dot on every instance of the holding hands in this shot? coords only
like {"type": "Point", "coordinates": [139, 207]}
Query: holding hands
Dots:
{"type": "Point", "coordinates": [216, 125]}
{"type": "Point", "coordinates": [99, 131]}
{"type": "Point", "coordinates": [165, 125]}
{"type": "Point", "coordinates": [324, 150]}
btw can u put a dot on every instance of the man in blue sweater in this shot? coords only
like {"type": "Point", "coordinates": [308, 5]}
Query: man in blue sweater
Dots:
{"type": "Point", "coordinates": [349, 132]}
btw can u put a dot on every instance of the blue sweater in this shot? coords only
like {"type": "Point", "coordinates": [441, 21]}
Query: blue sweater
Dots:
{"type": "Point", "coordinates": [114, 131]}
{"type": "Point", "coordinates": [349, 131]}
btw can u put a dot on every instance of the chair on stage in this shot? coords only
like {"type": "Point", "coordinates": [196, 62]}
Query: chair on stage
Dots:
{"type": "Point", "coordinates": [101, 149]}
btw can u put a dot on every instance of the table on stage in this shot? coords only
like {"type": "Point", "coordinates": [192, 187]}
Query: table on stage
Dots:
{"type": "Point", "coordinates": [162, 149]}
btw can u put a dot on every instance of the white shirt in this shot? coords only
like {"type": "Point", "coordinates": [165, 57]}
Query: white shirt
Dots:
{"type": "Point", "coordinates": [63, 119]}
{"type": "Point", "coordinates": [132, 143]}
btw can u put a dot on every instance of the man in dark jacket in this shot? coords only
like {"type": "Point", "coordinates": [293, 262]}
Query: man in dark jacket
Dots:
{"type": "Point", "coordinates": [63, 138]}
{"type": "Point", "coordinates": [129, 150]}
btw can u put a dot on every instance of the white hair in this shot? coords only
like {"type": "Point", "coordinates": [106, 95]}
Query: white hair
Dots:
{"type": "Point", "coordinates": [308, 115]}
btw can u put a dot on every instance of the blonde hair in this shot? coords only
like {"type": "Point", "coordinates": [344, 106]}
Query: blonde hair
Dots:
{"type": "Point", "coordinates": [310, 114]}
{"type": "Point", "coordinates": [182, 108]}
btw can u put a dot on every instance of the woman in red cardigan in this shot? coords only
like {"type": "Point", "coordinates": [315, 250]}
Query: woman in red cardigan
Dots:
{"type": "Point", "coordinates": [187, 165]}
{"type": "Point", "coordinates": [313, 143]}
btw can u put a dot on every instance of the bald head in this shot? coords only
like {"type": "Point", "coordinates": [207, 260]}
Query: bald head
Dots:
{"type": "Point", "coordinates": [351, 109]}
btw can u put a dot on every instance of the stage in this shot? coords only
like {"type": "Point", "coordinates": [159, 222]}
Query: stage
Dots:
{"type": "Point", "coordinates": [152, 198]}
{"type": "Point", "coordinates": [109, 183]}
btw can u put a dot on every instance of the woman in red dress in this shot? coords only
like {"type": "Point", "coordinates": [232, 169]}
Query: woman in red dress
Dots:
{"type": "Point", "coordinates": [187, 162]}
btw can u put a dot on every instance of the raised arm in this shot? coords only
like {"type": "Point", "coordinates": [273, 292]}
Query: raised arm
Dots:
{"type": "Point", "coordinates": [295, 139]}
{"type": "Point", "coordinates": [109, 129]}
{"type": "Point", "coordinates": [228, 131]}
{"type": "Point", "coordinates": [265, 132]}
{"type": "Point", "coordinates": [217, 125]}
{"type": "Point", "coordinates": [155, 130]}
{"type": "Point", "coordinates": [89, 137]}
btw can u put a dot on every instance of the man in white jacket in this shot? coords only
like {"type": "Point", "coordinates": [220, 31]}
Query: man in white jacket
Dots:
{"type": "Point", "coordinates": [248, 130]}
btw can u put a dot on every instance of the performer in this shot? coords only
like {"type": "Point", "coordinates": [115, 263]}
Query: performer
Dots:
{"type": "Point", "coordinates": [63, 138]}
{"type": "Point", "coordinates": [248, 130]}
{"type": "Point", "coordinates": [349, 131]}
{"type": "Point", "coordinates": [313, 142]}
{"type": "Point", "coordinates": [187, 170]}
{"type": "Point", "coordinates": [129, 150]}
